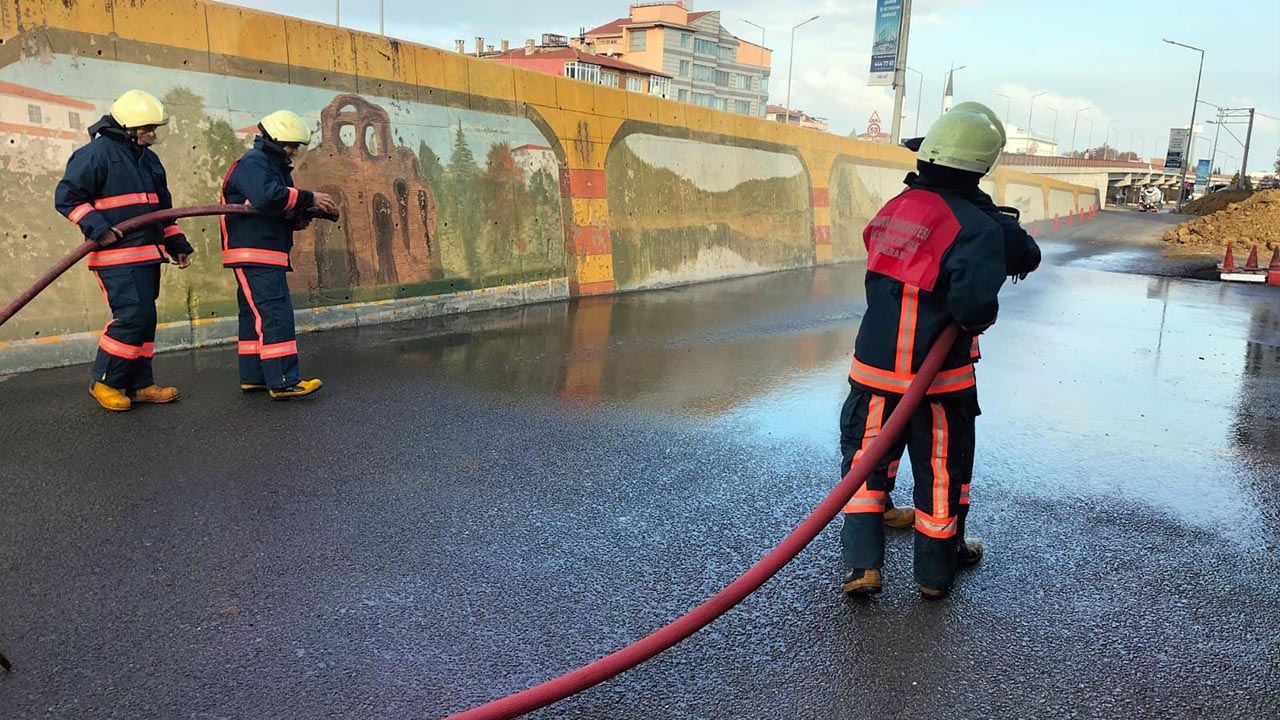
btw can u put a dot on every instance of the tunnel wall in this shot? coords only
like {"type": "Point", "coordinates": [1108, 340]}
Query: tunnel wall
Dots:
{"type": "Point", "coordinates": [464, 184]}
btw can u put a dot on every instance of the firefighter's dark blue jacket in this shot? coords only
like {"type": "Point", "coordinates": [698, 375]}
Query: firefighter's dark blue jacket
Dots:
{"type": "Point", "coordinates": [934, 256]}
{"type": "Point", "coordinates": [113, 179]}
{"type": "Point", "coordinates": [263, 179]}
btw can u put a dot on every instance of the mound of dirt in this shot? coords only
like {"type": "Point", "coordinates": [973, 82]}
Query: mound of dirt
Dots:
{"type": "Point", "coordinates": [1213, 202]}
{"type": "Point", "coordinates": [1252, 221]}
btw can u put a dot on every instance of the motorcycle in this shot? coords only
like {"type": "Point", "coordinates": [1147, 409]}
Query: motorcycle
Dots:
{"type": "Point", "coordinates": [1148, 206]}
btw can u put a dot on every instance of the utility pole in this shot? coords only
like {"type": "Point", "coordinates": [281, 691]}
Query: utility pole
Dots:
{"type": "Point", "coordinates": [1213, 154]}
{"type": "Point", "coordinates": [1182, 178]}
{"type": "Point", "coordinates": [1244, 159]}
{"type": "Point", "coordinates": [337, 12]}
{"type": "Point", "coordinates": [900, 72]}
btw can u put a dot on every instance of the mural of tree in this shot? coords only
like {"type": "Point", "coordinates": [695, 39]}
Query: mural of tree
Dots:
{"type": "Point", "coordinates": [462, 211]}
{"type": "Point", "coordinates": [506, 201]}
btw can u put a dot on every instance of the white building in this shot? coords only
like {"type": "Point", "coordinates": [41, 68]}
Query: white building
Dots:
{"type": "Point", "coordinates": [532, 158]}
{"type": "Point", "coordinates": [1020, 142]}
{"type": "Point", "coordinates": [39, 130]}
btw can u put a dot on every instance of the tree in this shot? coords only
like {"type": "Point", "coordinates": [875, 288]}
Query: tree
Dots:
{"type": "Point", "coordinates": [505, 200]}
{"type": "Point", "coordinates": [462, 213]}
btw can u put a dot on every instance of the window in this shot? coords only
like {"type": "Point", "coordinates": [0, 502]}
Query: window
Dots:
{"type": "Point", "coordinates": [659, 86]}
{"type": "Point", "coordinates": [764, 84]}
{"type": "Point", "coordinates": [705, 47]}
{"type": "Point", "coordinates": [73, 120]}
{"type": "Point", "coordinates": [719, 103]}
{"type": "Point", "coordinates": [740, 82]}
{"type": "Point", "coordinates": [609, 79]}
{"type": "Point", "coordinates": [684, 68]}
{"type": "Point", "coordinates": [639, 38]}
{"type": "Point", "coordinates": [34, 115]}
{"type": "Point", "coordinates": [683, 96]}
{"type": "Point", "coordinates": [685, 39]}
{"type": "Point", "coordinates": [726, 53]}
{"type": "Point", "coordinates": [703, 99]}
{"type": "Point", "coordinates": [742, 107]}
{"type": "Point", "coordinates": [704, 73]}
{"type": "Point", "coordinates": [722, 78]}
{"type": "Point", "coordinates": [635, 83]}
{"type": "Point", "coordinates": [582, 71]}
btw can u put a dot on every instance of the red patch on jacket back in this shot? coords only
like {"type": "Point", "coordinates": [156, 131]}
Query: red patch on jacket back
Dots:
{"type": "Point", "coordinates": [908, 237]}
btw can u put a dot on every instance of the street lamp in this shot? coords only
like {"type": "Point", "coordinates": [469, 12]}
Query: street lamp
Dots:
{"type": "Point", "coordinates": [1139, 131]}
{"type": "Point", "coordinates": [919, 94]}
{"type": "Point", "coordinates": [1089, 143]}
{"type": "Point", "coordinates": [1073, 126]}
{"type": "Point", "coordinates": [1008, 103]}
{"type": "Point", "coordinates": [759, 101]}
{"type": "Point", "coordinates": [791, 56]}
{"type": "Point", "coordinates": [1182, 180]}
{"type": "Point", "coordinates": [1031, 110]}
{"type": "Point", "coordinates": [950, 74]}
{"type": "Point", "coordinates": [1054, 134]}
{"type": "Point", "coordinates": [1107, 141]}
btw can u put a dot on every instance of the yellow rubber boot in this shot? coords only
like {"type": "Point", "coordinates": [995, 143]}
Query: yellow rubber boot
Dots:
{"type": "Point", "coordinates": [900, 517]}
{"type": "Point", "coordinates": [302, 389]}
{"type": "Point", "coordinates": [252, 387]}
{"type": "Point", "coordinates": [862, 582]}
{"type": "Point", "coordinates": [156, 394]}
{"type": "Point", "coordinates": [110, 398]}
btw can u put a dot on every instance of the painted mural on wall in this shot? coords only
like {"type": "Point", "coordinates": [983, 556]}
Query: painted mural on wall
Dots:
{"type": "Point", "coordinates": [857, 192]}
{"type": "Point", "coordinates": [684, 211]}
{"type": "Point", "coordinates": [434, 199]}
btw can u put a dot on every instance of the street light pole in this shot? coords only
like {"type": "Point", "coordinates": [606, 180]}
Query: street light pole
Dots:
{"type": "Point", "coordinates": [919, 94]}
{"type": "Point", "coordinates": [1008, 104]}
{"type": "Point", "coordinates": [791, 56]}
{"type": "Point", "coordinates": [950, 75]}
{"type": "Point", "coordinates": [760, 92]}
{"type": "Point", "coordinates": [1030, 110]}
{"type": "Point", "coordinates": [337, 12]}
{"type": "Point", "coordinates": [1182, 180]}
{"type": "Point", "coordinates": [382, 6]}
{"type": "Point", "coordinates": [1054, 134]}
{"type": "Point", "coordinates": [1074, 123]}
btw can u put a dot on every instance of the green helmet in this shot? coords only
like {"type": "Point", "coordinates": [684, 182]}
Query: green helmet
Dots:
{"type": "Point", "coordinates": [991, 115]}
{"type": "Point", "coordinates": [964, 139]}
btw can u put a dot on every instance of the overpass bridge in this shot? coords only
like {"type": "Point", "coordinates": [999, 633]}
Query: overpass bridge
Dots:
{"type": "Point", "coordinates": [1117, 181]}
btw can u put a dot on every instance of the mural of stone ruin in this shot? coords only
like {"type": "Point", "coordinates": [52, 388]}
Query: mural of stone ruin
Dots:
{"type": "Point", "coordinates": [390, 217]}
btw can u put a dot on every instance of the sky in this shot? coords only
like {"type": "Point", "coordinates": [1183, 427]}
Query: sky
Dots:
{"type": "Point", "coordinates": [1097, 54]}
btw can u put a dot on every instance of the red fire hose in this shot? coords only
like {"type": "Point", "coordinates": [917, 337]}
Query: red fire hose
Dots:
{"type": "Point", "coordinates": [125, 227]}
{"type": "Point", "coordinates": [636, 653]}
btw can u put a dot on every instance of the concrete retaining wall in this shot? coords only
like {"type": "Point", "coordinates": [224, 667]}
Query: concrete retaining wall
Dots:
{"type": "Point", "coordinates": [463, 183]}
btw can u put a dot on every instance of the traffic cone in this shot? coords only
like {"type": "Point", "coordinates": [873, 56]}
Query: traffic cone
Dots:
{"type": "Point", "coordinates": [1228, 262]}
{"type": "Point", "coordinates": [1273, 271]}
{"type": "Point", "coordinates": [1033, 228]}
{"type": "Point", "coordinates": [1055, 221]}
{"type": "Point", "coordinates": [1071, 218]}
{"type": "Point", "coordinates": [1252, 262]}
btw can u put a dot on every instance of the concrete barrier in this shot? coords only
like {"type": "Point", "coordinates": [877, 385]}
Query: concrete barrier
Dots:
{"type": "Point", "coordinates": [464, 184]}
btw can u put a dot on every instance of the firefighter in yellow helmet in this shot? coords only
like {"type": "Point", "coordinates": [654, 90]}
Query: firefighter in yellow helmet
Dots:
{"type": "Point", "coordinates": [935, 256]}
{"type": "Point", "coordinates": [256, 248]}
{"type": "Point", "coordinates": [112, 179]}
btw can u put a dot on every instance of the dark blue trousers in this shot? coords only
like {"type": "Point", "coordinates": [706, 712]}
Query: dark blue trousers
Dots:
{"type": "Point", "coordinates": [129, 341]}
{"type": "Point", "coordinates": [268, 343]}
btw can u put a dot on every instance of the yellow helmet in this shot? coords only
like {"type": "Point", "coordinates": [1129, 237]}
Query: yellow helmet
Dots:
{"type": "Point", "coordinates": [964, 139]}
{"type": "Point", "coordinates": [138, 108]}
{"type": "Point", "coordinates": [286, 127]}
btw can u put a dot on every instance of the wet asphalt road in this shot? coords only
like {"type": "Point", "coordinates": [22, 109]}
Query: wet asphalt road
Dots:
{"type": "Point", "coordinates": [476, 504]}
